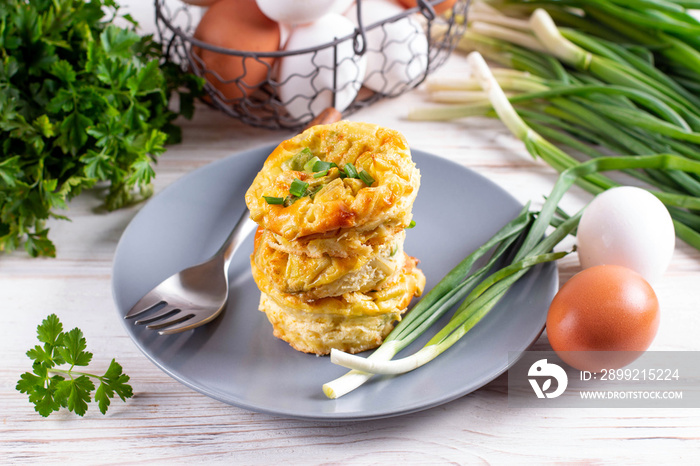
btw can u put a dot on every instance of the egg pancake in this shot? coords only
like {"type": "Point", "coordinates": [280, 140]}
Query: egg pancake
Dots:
{"type": "Point", "coordinates": [365, 179]}
{"type": "Point", "coordinates": [353, 322]}
{"type": "Point", "coordinates": [345, 243]}
{"type": "Point", "coordinates": [319, 277]}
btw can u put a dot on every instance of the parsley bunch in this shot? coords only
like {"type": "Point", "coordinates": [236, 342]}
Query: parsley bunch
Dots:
{"type": "Point", "coordinates": [82, 101]}
{"type": "Point", "coordinates": [46, 385]}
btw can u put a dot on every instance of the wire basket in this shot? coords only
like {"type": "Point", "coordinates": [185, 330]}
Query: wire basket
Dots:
{"type": "Point", "coordinates": [383, 59]}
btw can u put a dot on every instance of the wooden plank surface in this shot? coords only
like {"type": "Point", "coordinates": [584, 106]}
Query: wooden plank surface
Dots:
{"type": "Point", "coordinates": [167, 422]}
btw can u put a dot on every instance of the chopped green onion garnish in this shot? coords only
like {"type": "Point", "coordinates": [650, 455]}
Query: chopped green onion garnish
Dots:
{"type": "Point", "coordinates": [411, 225]}
{"type": "Point", "coordinates": [321, 166]}
{"type": "Point", "coordinates": [309, 166]}
{"type": "Point", "coordinates": [298, 187]}
{"type": "Point", "coordinates": [297, 162]}
{"type": "Point", "coordinates": [274, 200]}
{"type": "Point", "coordinates": [350, 170]}
{"type": "Point", "coordinates": [366, 177]}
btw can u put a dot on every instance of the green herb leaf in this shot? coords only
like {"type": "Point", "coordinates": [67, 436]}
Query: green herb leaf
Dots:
{"type": "Point", "coordinates": [44, 126]}
{"type": "Point", "coordinates": [73, 132]}
{"type": "Point", "coordinates": [117, 42]}
{"type": "Point", "coordinates": [50, 330]}
{"type": "Point", "coordinates": [116, 381]}
{"type": "Point", "coordinates": [147, 80]}
{"type": "Point", "coordinates": [102, 396]}
{"type": "Point", "coordinates": [82, 100]}
{"type": "Point", "coordinates": [44, 401]}
{"type": "Point", "coordinates": [75, 393]}
{"type": "Point", "coordinates": [37, 244]}
{"type": "Point", "coordinates": [73, 349]}
{"type": "Point", "coordinates": [46, 387]}
{"type": "Point", "coordinates": [41, 355]}
{"type": "Point", "coordinates": [28, 382]}
{"type": "Point", "coordinates": [63, 71]}
{"type": "Point", "coordinates": [411, 225]}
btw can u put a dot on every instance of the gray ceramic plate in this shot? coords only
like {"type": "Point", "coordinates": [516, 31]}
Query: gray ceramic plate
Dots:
{"type": "Point", "coordinates": [235, 359]}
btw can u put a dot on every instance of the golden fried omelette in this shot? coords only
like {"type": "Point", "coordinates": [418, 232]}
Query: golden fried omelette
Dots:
{"type": "Point", "coordinates": [326, 275]}
{"type": "Point", "coordinates": [353, 322]}
{"type": "Point", "coordinates": [343, 243]}
{"type": "Point", "coordinates": [319, 277]}
{"type": "Point", "coordinates": [291, 199]}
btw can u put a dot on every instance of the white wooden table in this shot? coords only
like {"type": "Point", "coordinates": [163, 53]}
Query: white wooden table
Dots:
{"type": "Point", "coordinates": [167, 422]}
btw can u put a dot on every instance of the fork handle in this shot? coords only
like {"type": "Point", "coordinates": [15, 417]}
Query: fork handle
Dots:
{"type": "Point", "coordinates": [242, 229]}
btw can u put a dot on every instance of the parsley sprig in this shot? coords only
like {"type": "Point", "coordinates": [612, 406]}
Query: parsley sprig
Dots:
{"type": "Point", "coordinates": [50, 388]}
{"type": "Point", "coordinates": [82, 101]}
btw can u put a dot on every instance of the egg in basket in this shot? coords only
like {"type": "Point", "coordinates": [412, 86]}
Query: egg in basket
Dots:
{"type": "Point", "coordinates": [279, 63]}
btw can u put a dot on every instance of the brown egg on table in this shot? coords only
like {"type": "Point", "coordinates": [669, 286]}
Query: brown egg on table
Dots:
{"type": "Point", "coordinates": [604, 317]}
{"type": "Point", "coordinates": [237, 25]}
{"type": "Point", "coordinates": [439, 8]}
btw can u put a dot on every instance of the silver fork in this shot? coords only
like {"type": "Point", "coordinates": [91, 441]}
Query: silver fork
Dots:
{"type": "Point", "coordinates": [196, 295]}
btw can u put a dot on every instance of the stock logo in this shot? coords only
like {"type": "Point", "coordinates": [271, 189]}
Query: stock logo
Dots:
{"type": "Point", "coordinates": [546, 372]}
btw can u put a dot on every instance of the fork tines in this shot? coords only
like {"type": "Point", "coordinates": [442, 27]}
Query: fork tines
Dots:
{"type": "Point", "coordinates": [167, 316]}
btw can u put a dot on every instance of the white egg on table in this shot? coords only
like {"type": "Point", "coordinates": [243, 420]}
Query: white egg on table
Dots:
{"type": "Point", "coordinates": [297, 11]}
{"type": "Point", "coordinates": [306, 81]}
{"type": "Point", "coordinates": [397, 51]}
{"type": "Point", "coordinates": [627, 226]}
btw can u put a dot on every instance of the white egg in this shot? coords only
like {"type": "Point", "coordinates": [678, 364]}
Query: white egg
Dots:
{"type": "Point", "coordinates": [342, 6]}
{"type": "Point", "coordinates": [630, 227]}
{"type": "Point", "coordinates": [306, 81]}
{"type": "Point", "coordinates": [397, 52]}
{"type": "Point", "coordinates": [296, 11]}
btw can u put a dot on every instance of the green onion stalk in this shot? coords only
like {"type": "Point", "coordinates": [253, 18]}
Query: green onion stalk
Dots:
{"type": "Point", "coordinates": [579, 88]}
{"type": "Point", "coordinates": [481, 290]}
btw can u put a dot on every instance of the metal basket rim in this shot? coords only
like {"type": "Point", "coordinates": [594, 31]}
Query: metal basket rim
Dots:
{"type": "Point", "coordinates": [267, 111]}
{"type": "Point", "coordinates": [285, 53]}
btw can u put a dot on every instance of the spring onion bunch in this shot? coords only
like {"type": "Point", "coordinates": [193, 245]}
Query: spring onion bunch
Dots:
{"type": "Point", "coordinates": [596, 77]}
{"type": "Point", "coordinates": [480, 290]}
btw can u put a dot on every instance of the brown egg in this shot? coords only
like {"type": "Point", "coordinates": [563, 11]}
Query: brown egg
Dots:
{"type": "Point", "coordinates": [237, 25]}
{"type": "Point", "coordinates": [603, 318]}
{"type": "Point", "coordinates": [439, 8]}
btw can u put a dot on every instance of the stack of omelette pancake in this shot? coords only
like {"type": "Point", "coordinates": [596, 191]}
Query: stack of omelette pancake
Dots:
{"type": "Point", "coordinates": [332, 205]}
